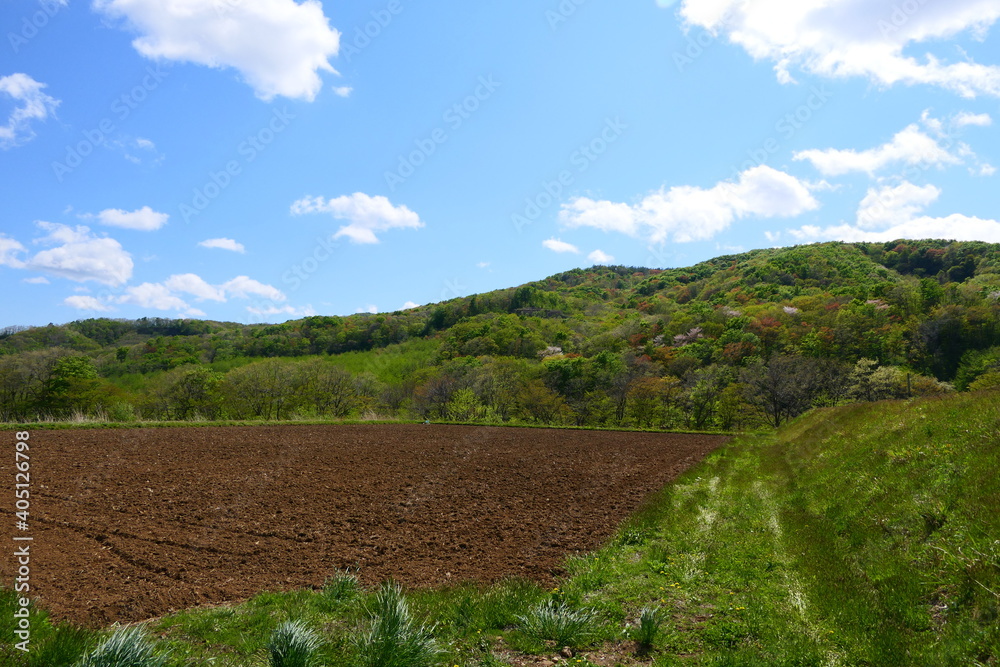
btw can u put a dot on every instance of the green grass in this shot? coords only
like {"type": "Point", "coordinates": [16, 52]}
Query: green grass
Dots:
{"type": "Point", "coordinates": [863, 535]}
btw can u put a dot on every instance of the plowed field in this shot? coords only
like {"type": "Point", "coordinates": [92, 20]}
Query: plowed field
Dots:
{"type": "Point", "coordinates": [130, 524]}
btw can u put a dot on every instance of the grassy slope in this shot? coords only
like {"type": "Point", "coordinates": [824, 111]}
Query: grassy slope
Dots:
{"type": "Point", "coordinates": [860, 535]}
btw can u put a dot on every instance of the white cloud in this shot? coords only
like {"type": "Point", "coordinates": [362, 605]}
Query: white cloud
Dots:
{"type": "Point", "coordinates": [343, 91]}
{"type": "Point", "coordinates": [170, 294]}
{"type": "Point", "coordinates": [688, 213]}
{"type": "Point", "coordinates": [977, 119]}
{"type": "Point", "coordinates": [284, 310]}
{"type": "Point", "coordinates": [223, 244]}
{"type": "Point", "coordinates": [144, 219]}
{"type": "Point", "coordinates": [30, 104]}
{"type": "Point", "coordinates": [365, 215]}
{"type": "Point", "coordinates": [891, 206]}
{"type": "Point", "coordinates": [189, 283]}
{"type": "Point", "coordinates": [890, 213]}
{"type": "Point", "coordinates": [153, 295]}
{"type": "Point", "coordinates": [410, 305]}
{"type": "Point", "coordinates": [556, 245]}
{"type": "Point", "coordinates": [856, 38]}
{"type": "Point", "coordinates": [244, 287]}
{"type": "Point", "coordinates": [37, 280]}
{"type": "Point", "coordinates": [483, 265]}
{"type": "Point", "coordinates": [8, 249]}
{"type": "Point", "coordinates": [278, 46]}
{"type": "Point", "coordinates": [987, 170]}
{"type": "Point", "coordinates": [86, 303]}
{"type": "Point", "coordinates": [600, 257]}
{"type": "Point", "coordinates": [368, 309]}
{"type": "Point", "coordinates": [911, 146]}
{"type": "Point", "coordinates": [954, 227]}
{"type": "Point", "coordinates": [82, 257]}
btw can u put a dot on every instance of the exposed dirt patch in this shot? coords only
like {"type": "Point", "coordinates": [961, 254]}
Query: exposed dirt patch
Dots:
{"type": "Point", "coordinates": [131, 524]}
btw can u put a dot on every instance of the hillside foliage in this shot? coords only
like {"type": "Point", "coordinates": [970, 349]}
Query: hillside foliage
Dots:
{"type": "Point", "coordinates": [738, 341]}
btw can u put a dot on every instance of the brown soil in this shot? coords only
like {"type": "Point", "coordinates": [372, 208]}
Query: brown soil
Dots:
{"type": "Point", "coordinates": [131, 524]}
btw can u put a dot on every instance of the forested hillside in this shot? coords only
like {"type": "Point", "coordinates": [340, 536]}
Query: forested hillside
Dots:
{"type": "Point", "coordinates": [738, 341]}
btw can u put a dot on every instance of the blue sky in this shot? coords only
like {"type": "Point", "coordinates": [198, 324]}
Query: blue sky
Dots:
{"type": "Point", "coordinates": [261, 160]}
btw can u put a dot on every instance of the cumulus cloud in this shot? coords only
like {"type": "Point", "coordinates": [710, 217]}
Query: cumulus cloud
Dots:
{"type": "Point", "coordinates": [172, 294]}
{"type": "Point", "coordinates": [9, 249]}
{"type": "Point", "coordinates": [888, 213]}
{"type": "Point", "coordinates": [857, 38]}
{"type": "Point", "coordinates": [365, 215]}
{"type": "Point", "coordinates": [30, 104]}
{"type": "Point", "coordinates": [279, 47]}
{"type": "Point", "coordinates": [955, 227]}
{"type": "Point", "coordinates": [557, 245]}
{"type": "Point", "coordinates": [600, 257]}
{"type": "Point", "coordinates": [223, 244]}
{"type": "Point", "coordinates": [244, 287]}
{"type": "Point", "coordinates": [688, 213]}
{"type": "Point", "coordinates": [911, 146]}
{"type": "Point", "coordinates": [196, 286]}
{"type": "Point", "coordinates": [86, 303]}
{"type": "Point", "coordinates": [155, 296]}
{"type": "Point", "coordinates": [343, 91]}
{"type": "Point", "coordinates": [79, 255]}
{"type": "Point", "coordinates": [893, 206]}
{"type": "Point", "coordinates": [410, 305]}
{"type": "Point", "coordinates": [144, 219]}
{"type": "Point", "coordinates": [977, 119]}
{"type": "Point", "coordinates": [370, 309]}
{"type": "Point", "coordinates": [271, 309]}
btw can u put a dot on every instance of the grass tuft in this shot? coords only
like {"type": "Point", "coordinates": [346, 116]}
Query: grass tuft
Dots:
{"type": "Point", "coordinates": [393, 638]}
{"type": "Point", "coordinates": [557, 622]}
{"type": "Point", "coordinates": [647, 631]}
{"type": "Point", "coordinates": [293, 644]}
{"type": "Point", "coordinates": [126, 647]}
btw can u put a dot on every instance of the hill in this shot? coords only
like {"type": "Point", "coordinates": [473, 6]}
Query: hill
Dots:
{"type": "Point", "coordinates": [738, 340]}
